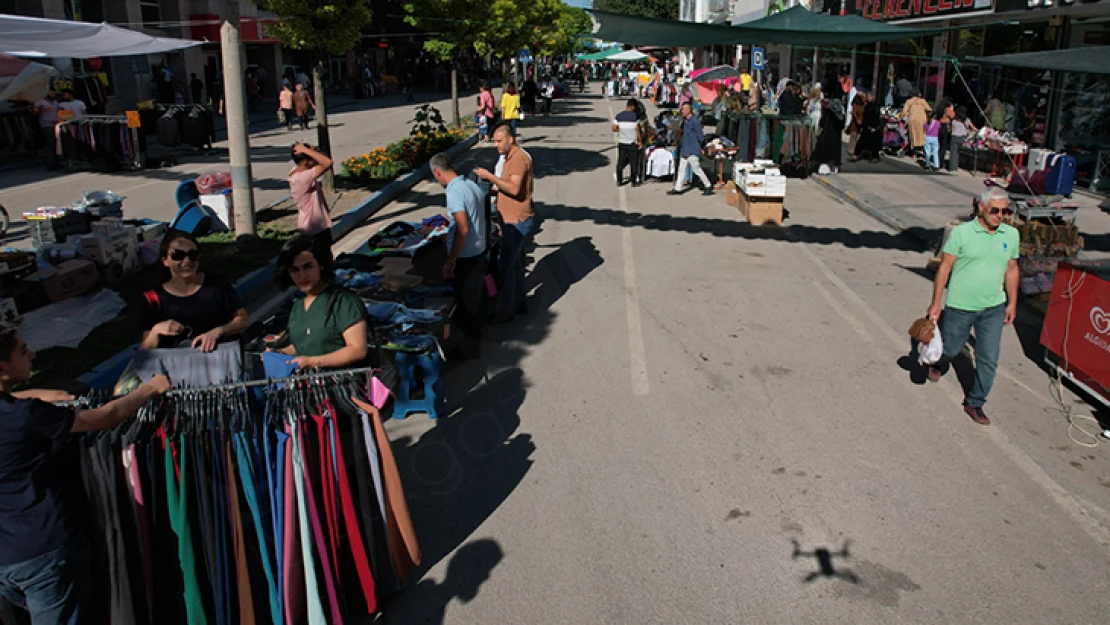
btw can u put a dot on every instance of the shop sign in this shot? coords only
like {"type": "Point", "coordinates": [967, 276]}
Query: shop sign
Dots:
{"type": "Point", "coordinates": [1004, 6]}
{"type": "Point", "coordinates": [894, 10]}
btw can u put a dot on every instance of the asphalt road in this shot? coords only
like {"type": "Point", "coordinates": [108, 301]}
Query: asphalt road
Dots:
{"type": "Point", "coordinates": [702, 421]}
{"type": "Point", "coordinates": [356, 128]}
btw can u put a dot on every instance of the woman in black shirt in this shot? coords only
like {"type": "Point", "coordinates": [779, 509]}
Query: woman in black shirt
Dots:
{"type": "Point", "coordinates": [202, 309]}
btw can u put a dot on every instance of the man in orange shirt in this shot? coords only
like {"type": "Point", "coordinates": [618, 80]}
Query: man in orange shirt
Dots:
{"type": "Point", "coordinates": [514, 202]}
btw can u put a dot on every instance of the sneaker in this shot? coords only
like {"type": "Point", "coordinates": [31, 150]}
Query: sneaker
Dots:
{"type": "Point", "coordinates": [933, 373]}
{"type": "Point", "coordinates": [637, 184]}
{"type": "Point", "coordinates": [977, 415]}
{"type": "Point", "coordinates": [674, 192]}
{"type": "Point", "coordinates": [707, 192]}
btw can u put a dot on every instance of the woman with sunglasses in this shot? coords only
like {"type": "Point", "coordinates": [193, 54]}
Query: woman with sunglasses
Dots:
{"type": "Point", "coordinates": [327, 326]}
{"type": "Point", "coordinates": [198, 308]}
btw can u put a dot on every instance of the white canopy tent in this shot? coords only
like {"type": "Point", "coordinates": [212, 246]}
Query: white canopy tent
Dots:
{"type": "Point", "coordinates": [23, 80]}
{"type": "Point", "coordinates": [627, 55]}
{"type": "Point", "coordinates": [38, 37]}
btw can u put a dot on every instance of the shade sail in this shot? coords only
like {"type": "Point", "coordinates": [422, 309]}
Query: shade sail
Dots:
{"type": "Point", "coordinates": [23, 80]}
{"type": "Point", "coordinates": [38, 37]}
{"type": "Point", "coordinates": [597, 56]}
{"type": "Point", "coordinates": [1093, 60]}
{"type": "Point", "coordinates": [794, 26]}
{"type": "Point", "coordinates": [627, 55]}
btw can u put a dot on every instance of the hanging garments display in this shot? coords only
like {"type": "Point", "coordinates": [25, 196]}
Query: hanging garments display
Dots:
{"type": "Point", "coordinates": [225, 506]}
{"type": "Point", "coordinates": [103, 142]}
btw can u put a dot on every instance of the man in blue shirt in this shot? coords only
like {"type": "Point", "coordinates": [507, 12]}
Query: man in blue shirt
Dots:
{"type": "Point", "coordinates": [466, 263]}
{"type": "Point", "coordinates": [44, 562]}
{"type": "Point", "coordinates": [689, 153]}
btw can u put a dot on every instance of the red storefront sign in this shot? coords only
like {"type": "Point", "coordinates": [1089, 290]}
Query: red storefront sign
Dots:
{"type": "Point", "coordinates": [252, 29]}
{"type": "Point", "coordinates": [894, 10]}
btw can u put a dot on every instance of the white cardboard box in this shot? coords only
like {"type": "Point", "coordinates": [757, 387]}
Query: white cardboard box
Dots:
{"type": "Point", "coordinates": [221, 205]}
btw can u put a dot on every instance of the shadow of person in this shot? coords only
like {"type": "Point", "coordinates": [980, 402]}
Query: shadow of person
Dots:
{"type": "Point", "coordinates": [427, 602]}
{"type": "Point", "coordinates": [910, 363]}
{"type": "Point", "coordinates": [458, 472]}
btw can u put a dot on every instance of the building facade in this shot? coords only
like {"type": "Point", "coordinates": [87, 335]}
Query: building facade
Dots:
{"type": "Point", "coordinates": [134, 79]}
{"type": "Point", "coordinates": [1065, 111]}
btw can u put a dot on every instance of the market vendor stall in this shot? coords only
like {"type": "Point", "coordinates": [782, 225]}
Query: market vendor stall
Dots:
{"type": "Point", "coordinates": [993, 152]}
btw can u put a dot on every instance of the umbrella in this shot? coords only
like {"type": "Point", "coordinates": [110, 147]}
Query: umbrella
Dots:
{"type": "Point", "coordinates": [713, 74]}
{"type": "Point", "coordinates": [23, 80]}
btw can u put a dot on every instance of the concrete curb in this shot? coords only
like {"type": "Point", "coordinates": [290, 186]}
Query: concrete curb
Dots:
{"type": "Point", "coordinates": [261, 280]}
{"type": "Point", "coordinates": [865, 207]}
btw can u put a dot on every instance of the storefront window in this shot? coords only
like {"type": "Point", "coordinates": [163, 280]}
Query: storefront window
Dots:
{"type": "Point", "coordinates": [1084, 125]}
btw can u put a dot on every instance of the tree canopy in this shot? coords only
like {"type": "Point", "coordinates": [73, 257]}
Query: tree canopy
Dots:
{"type": "Point", "coordinates": [498, 27]}
{"type": "Point", "coordinates": [656, 9]}
{"type": "Point", "coordinates": [321, 26]}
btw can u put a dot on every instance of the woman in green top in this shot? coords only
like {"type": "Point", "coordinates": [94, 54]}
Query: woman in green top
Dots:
{"type": "Point", "coordinates": [327, 325]}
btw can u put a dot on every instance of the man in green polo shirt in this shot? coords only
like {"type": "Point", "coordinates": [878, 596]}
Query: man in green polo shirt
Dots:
{"type": "Point", "coordinates": [980, 257]}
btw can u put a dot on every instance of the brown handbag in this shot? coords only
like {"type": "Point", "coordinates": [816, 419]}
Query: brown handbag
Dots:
{"type": "Point", "coordinates": [923, 330]}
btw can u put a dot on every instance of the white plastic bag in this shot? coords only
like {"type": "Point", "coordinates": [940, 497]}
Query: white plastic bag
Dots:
{"type": "Point", "coordinates": [931, 353]}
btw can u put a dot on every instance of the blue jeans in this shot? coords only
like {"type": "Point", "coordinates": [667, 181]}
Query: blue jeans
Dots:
{"type": "Point", "coordinates": [955, 328]}
{"type": "Point", "coordinates": [932, 152]}
{"type": "Point", "coordinates": [52, 587]}
{"type": "Point", "coordinates": [511, 262]}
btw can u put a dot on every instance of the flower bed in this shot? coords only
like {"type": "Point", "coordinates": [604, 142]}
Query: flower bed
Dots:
{"type": "Point", "coordinates": [382, 165]}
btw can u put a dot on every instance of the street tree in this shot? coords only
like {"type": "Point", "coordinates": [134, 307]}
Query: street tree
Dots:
{"type": "Point", "coordinates": [323, 28]}
{"type": "Point", "coordinates": [570, 34]}
{"type": "Point", "coordinates": [656, 9]}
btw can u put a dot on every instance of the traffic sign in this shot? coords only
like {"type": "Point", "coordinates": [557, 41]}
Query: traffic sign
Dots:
{"type": "Point", "coordinates": [757, 59]}
{"type": "Point", "coordinates": [524, 56]}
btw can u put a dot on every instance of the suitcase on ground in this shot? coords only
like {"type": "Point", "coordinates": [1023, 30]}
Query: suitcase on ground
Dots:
{"type": "Point", "coordinates": [1038, 159]}
{"type": "Point", "coordinates": [1061, 175]}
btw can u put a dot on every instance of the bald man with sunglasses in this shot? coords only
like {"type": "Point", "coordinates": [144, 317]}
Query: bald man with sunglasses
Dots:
{"type": "Point", "coordinates": [979, 267]}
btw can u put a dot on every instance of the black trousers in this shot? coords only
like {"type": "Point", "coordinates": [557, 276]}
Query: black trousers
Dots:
{"type": "Point", "coordinates": [628, 154]}
{"type": "Point", "coordinates": [470, 300]}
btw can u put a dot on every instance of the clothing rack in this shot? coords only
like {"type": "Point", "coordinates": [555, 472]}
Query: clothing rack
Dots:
{"type": "Point", "coordinates": [180, 128]}
{"type": "Point", "coordinates": [230, 510]}
{"type": "Point", "coordinates": [230, 386]}
{"type": "Point", "coordinates": [129, 161]}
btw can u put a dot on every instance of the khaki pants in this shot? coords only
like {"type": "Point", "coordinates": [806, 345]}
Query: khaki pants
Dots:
{"type": "Point", "coordinates": [853, 138]}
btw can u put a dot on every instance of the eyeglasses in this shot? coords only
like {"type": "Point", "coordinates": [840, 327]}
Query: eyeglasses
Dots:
{"type": "Point", "coordinates": [180, 255]}
{"type": "Point", "coordinates": [1005, 211]}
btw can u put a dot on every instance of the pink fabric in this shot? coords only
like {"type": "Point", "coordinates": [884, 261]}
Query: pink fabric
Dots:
{"type": "Point", "coordinates": [286, 99]}
{"type": "Point", "coordinates": [292, 569]}
{"type": "Point", "coordinates": [486, 99]}
{"type": "Point", "coordinates": [312, 210]}
{"type": "Point", "coordinates": [138, 506]}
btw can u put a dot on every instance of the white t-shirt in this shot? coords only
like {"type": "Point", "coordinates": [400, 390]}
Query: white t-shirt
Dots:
{"type": "Point", "coordinates": [49, 115]}
{"type": "Point", "coordinates": [69, 111]}
{"type": "Point", "coordinates": [627, 128]}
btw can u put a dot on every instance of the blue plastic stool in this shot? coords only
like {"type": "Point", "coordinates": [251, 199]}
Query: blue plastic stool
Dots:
{"type": "Point", "coordinates": [403, 403]}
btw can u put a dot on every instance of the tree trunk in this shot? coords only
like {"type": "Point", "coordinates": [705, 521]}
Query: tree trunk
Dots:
{"type": "Point", "coordinates": [457, 122]}
{"type": "Point", "coordinates": [322, 136]}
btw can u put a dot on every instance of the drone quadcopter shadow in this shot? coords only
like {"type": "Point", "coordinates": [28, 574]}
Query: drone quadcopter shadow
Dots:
{"type": "Point", "coordinates": [824, 559]}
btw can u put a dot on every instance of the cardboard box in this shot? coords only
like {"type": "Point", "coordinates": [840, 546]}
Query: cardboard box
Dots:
{"type": "Point", "coordinates": [220, 204]}
{"type": "Point", "coordinates": [109, 246]}
{"type": "Point", "coordinates": [761, 210]}
{"type": "Point", "coordinates": [68, 279]}
{"type": "Point", "coordinates": [732, 194]}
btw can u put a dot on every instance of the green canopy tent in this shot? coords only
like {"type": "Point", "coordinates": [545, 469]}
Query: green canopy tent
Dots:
{"type": "Point", "coordinates": [1092, 60]}
{"type": "Point", "coordinates": [795, 26]}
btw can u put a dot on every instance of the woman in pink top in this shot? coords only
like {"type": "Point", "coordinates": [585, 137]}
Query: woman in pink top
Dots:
{"type": "Point", "coordinates": [485, 103]}
{"type": "Point", "coordinates": [932, 142]}
{"type": "Point", "coordinates": [304, 185]}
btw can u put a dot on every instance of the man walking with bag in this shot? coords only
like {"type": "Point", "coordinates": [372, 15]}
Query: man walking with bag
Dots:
{"type": "Point", "coordinates": [979, 266]}
{"type": "Point", "coordinates": [689, 153]}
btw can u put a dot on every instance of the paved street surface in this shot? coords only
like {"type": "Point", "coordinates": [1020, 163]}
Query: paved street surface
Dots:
{"type": "Point", "coordinates": [357, 127]}
{"type": "Point", "coordinates": [701, 421]}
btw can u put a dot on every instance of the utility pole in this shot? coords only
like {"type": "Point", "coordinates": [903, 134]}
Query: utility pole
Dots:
{"type": "Point", "coordinates": [235, 109]}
